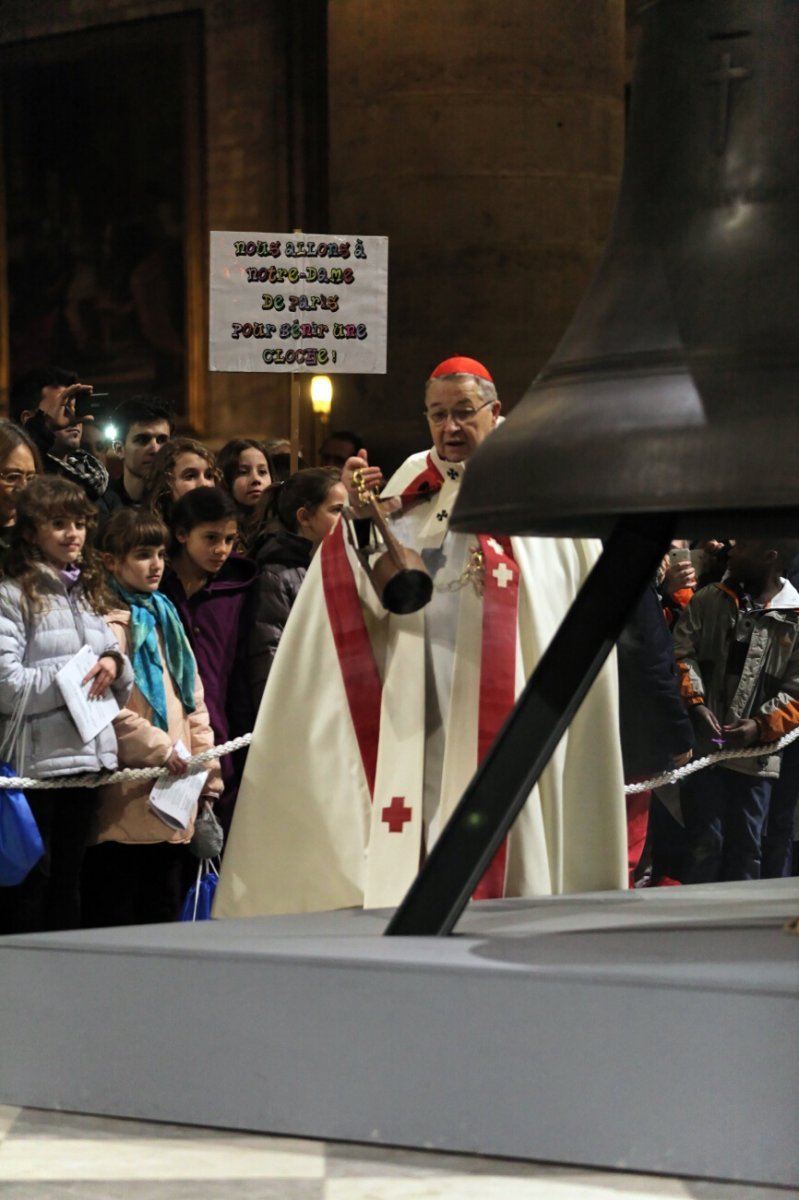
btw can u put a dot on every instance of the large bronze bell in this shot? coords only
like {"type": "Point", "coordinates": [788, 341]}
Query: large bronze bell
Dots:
{"type": "Point", "coordinates": [676, 387]}
{"type": "Point", "coordinates": [671, 404]}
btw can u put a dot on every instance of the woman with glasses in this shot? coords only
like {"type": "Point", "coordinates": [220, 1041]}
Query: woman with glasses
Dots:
{"type": "Point", "coordinates": [19, 464]}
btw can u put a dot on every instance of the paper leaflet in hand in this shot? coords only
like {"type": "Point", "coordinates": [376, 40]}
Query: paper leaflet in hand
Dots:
{"type": "Point", "coordinates": [90, 716]}
{"type": "Point", "coordinates": [174, 797]}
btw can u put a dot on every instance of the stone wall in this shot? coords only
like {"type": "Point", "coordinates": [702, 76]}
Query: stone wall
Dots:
{"type": "Point", "coordinates": [484, 140]}
{"type": "Point", "coordinates": [241, 93]}
{"type": "Point", "coordinates": [245, 79]}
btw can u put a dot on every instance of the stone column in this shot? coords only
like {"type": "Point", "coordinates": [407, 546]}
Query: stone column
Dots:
{"type": "Point", "coordinates": [265, 119]}
{"type": "Point", "coordinates": [486, 141]}
{"type": "Point", "coordinates": [246, 88]}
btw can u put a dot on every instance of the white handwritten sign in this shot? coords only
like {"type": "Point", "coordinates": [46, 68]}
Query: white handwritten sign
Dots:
{"type": "Point", "coordinates": [298, 302]}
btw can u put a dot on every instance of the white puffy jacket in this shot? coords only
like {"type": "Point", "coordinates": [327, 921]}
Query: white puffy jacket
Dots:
{"type": "Point", "coordinates": [32, 650]}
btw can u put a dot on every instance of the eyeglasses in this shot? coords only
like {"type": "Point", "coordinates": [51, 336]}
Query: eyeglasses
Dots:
{"type": "Point", "coordinates": [460, 416]}
{"type": "Point", "coordinates": [14, 478]}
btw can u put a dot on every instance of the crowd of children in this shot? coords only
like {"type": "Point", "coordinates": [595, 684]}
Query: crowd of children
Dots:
{"type": "Point", "coordinates": [181, 585]}
{"type": "Point", "coordinates": [161, 591]}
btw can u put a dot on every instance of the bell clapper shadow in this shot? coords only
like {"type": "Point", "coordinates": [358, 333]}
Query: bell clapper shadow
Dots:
{"type": "Point", "coordinates": [524, 745]}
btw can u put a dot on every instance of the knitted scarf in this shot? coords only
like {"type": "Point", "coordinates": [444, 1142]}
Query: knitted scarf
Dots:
{"type": "Point", "coordinates": [150, 611]}
{"type": "Point", "coordinates": [82, 468]}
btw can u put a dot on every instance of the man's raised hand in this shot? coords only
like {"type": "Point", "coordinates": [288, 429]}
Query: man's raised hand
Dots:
{"type": "Point", "coordinates": [370, 477]}
{"type": "Point", "coordinates": [59, 405]}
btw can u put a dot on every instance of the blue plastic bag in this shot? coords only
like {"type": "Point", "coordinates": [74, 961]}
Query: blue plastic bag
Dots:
{"type": "Point", "coordinates": [200, 896]}
{"type": "Point", "coordinates": [21, 844]}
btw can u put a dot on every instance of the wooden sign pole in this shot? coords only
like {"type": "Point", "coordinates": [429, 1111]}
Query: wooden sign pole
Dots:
{"type": "Point", "coordinates": [294, 413]}
{"type": "Point", "coordinates": [295, 421]}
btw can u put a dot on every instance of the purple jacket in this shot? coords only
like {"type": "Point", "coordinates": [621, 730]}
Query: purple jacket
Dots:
{"type": "Point", "coordinates": [216, 620]}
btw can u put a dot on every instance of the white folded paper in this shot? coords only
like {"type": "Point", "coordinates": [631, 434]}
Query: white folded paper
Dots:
{"type": "Point", "coordinates": [90, 716]}
{"type": "Point", "coordinates": [174, 797]}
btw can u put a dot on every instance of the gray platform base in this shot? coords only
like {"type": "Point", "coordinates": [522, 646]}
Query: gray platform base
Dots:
{"type": "Point", "coordinates": [647, 1031]}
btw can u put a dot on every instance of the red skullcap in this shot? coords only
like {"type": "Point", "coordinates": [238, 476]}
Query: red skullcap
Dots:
{"type": "Point", "coordinates": [461, 366]}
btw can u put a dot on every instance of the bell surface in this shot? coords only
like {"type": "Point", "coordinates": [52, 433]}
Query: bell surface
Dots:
{"type": "Point", "coordinates": [676, 387]}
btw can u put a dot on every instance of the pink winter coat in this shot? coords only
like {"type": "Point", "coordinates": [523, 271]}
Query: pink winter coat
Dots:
{"type": "Point", "coordinates": [123, 814]}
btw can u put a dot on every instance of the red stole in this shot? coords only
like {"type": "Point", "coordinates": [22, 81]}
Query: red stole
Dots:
{"type": "Point", "coordinates": [355, 655]}
{"type": "Point", "coordinates": [497, 672]}
{"type": "Point", "coordinates": [361, 679]}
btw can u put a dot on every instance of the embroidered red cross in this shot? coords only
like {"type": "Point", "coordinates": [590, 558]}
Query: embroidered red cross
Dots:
{"type": "Point", "coordinates": [396, 814]}
{"type": "Point", "coordinates": [503, 575]}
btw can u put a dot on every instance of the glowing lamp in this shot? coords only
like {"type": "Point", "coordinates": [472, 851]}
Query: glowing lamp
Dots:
{"type": "Point", "coordinates": [321, 395]}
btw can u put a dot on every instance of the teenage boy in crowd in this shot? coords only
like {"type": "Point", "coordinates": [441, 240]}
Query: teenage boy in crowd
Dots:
{"type": "Point", "coordinates": [143, 424]}
{"type": "Point", "coordinates": [737, 650]}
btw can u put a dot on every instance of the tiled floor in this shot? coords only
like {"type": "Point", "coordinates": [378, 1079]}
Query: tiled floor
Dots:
{"type": "Point", "coordinates": [50, 1156]}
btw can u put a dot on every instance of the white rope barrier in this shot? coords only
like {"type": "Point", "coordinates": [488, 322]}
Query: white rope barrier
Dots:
{"type": "Point", "coordinates": [101, 778]}
{"type": "Point", "coordinates": [710, 760]}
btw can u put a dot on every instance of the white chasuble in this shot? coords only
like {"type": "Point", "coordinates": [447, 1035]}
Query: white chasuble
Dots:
{"type": "Point", "coordinates": [372, 725]}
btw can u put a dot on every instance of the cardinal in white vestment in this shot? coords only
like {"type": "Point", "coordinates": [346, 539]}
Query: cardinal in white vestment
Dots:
{"type": "Point", "coordinates": [373, 724]}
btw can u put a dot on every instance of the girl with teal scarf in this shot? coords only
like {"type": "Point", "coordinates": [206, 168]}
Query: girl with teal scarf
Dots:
{"type": "Point", "coordinates": [139, 871]}
{"type": "Point", "coordinates": [151, 613]}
